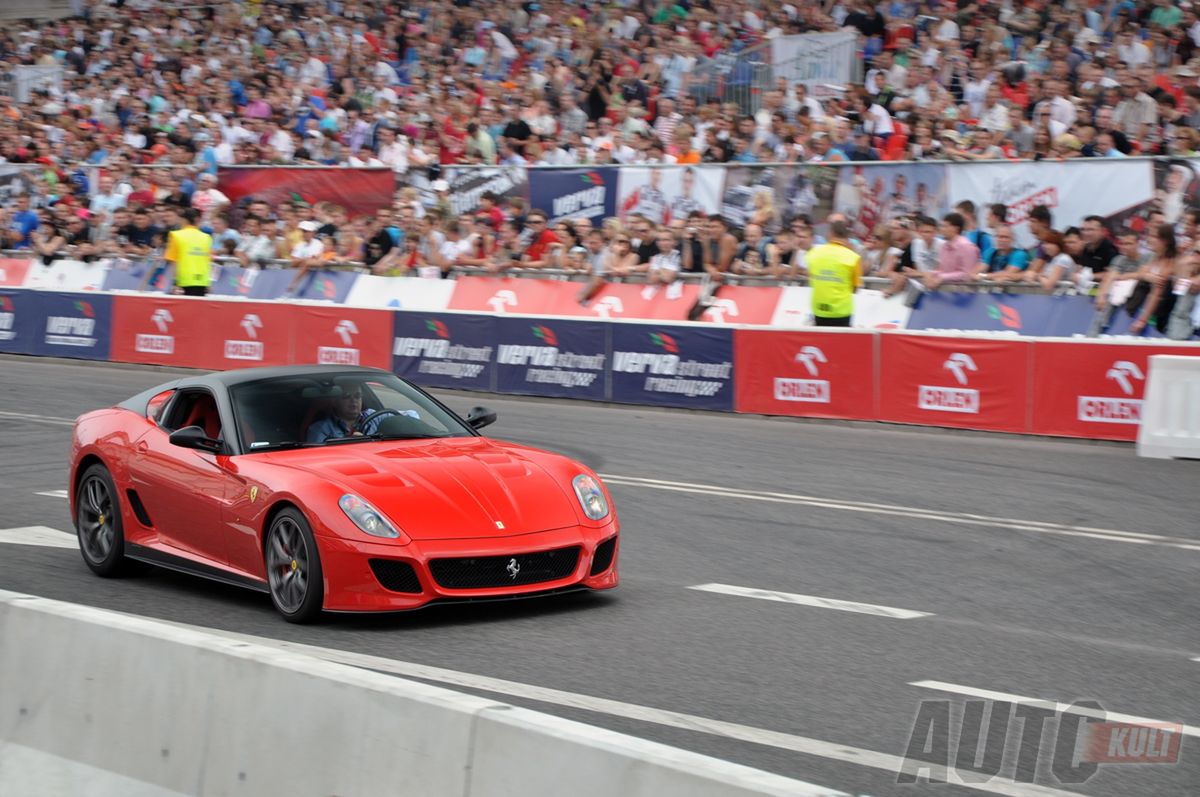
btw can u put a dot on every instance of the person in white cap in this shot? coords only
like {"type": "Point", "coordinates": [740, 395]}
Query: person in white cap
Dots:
{"type": "Point", "coordinates": [306, 255]}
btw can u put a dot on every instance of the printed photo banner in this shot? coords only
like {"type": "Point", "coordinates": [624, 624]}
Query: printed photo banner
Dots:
{"type": "Point", "coordinates": [1113, 189]}
{"type": "Point", "coordinates": [666, 193]}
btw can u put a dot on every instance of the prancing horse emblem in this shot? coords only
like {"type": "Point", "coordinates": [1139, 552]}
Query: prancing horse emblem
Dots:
{"type": "Point", "coordinates": [513, 568]}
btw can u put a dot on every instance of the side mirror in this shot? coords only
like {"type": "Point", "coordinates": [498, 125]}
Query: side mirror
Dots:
{"type": "Point", "coordinates": [193, 437]}
{"type": "Point", "coordinates": [480, 417]}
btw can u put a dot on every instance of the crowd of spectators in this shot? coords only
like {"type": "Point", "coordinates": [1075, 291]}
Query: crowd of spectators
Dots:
{"type": "Point", "coordinates": [154, 98]}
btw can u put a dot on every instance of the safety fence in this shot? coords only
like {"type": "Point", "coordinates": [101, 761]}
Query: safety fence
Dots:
{"type": "Point", "coordinates": [1031, 385]}
{"type": "Point", "coordinates": [745, 302]}
{"type": "Point", "coordinates": [1123, 192]}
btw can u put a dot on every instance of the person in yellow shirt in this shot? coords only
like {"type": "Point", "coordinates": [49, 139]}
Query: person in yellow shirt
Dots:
{"type": "Point", "coordinates": [834, 273]}
{"type": "Point", "coordinates": [191, 251]}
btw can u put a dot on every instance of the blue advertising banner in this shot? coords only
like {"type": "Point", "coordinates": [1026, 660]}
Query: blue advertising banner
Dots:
{"type": "Point", "coordinates": [1035, 315]}
{"type": "Point", "coordinates": [574, 193]}
{"type": "Point", "coordinates": [672, 366]}
{"type": "Point", "coordinates": [273, 283]}
{"type": "Point", "coordinates": [131, 275]}
{"type": "Point", "coordinates": [19, 320]}
{"type": "Point", "coordinates": [564, 359]}
{"type": "Point", "coordinates": [445, 350]}
{"type": "Point", "coordinates": [237, 281]}
{"type": "Point", "coordinates": [77, 325]}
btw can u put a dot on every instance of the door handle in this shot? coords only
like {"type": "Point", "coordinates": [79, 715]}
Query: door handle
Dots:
{"type": "Point", "coordinates": [142, 447]}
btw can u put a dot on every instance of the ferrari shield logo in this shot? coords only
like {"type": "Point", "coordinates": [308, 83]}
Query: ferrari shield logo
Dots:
{"type": "Point", "coordinates": [253, 493]}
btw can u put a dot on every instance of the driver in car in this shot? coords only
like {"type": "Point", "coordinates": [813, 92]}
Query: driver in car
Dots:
{"type": "Point", "coordinates": [346, 413]}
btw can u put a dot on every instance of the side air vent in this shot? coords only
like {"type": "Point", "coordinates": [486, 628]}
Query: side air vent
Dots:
{"type": "Point", "coordinates": [139, 510]}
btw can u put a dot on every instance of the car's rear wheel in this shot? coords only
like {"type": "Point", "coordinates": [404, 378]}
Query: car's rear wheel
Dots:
{"type": "Point", "coordinates": [294, 568]}
{"type": "Point", "coordinates": [98, 523]}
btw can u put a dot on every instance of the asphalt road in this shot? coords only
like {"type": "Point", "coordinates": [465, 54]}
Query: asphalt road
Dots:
{"type": "Point", "coordinates": [986, 535]}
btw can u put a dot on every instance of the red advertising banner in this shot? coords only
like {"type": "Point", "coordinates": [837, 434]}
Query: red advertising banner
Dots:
{"type": "Point", "coordinates": [342, 336]}
{"type": "Point", "coordinates": [974, 383]}
{"type": "Point", "coordinates": [13, 271]}
{"type": "Point", "coordinates": [555, 297]}
{"type": "Point", "coordinates": [740, 304]}
{"type": "Point", "coordinates": [359, 191]}
{"type": "Point", "coordinates": [159, 330]}
{"type": "Point", "coordinates": [808, 374]}
{"type": "Point", "coordinates": [1092, 389]}
{"type": "Point", "coordinates": [507, 294]}
{"type": "Point", "coordinates": [201, 333]}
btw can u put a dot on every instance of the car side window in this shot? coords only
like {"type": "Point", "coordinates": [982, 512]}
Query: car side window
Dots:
{"type": "Point", "coordinates": [193, 408]}
{"type": "Point", "coordinates": [156, 405]}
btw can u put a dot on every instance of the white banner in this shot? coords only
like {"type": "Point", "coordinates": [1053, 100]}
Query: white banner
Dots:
{"type": "Point", "coordinates": [872, 310]}
{"type": "Point", "coordinates": [400, 293]}
{"type": "Point", "coordinates": [67, 275]}
{"type": "Point", "coordinates": [815, 58]}
{"type": "Point", "coordinates": [1111, 188]}
{"type": "Point", "coordinates": [27, 79]}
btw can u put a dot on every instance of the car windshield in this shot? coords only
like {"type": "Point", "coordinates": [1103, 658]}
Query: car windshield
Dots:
{"type": "Point", "coordinates": [334, 409]}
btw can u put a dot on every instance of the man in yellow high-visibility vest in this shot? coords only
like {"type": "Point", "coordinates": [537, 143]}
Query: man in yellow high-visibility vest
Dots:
{"type": "Point", "coordinates": [834, 273]}
{"type": "Point", "coordinates": [190, 250]}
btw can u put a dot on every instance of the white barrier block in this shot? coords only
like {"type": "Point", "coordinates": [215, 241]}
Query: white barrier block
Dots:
{"type": "Point", "coordinates": [520, 752]}
{"type": "Point", "coordinates": [1170, 425]}
{"type": "Point", "coordinates": [141, 708]}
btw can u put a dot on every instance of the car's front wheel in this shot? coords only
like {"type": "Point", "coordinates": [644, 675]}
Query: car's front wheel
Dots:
{"type": "Point", "coordinates": [98, 523]}
{"type": "Point", "coordinates": [294, 568]}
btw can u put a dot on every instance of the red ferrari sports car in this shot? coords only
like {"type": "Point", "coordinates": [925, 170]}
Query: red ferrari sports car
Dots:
{"type": "Point", "coordinates": [333, 488]}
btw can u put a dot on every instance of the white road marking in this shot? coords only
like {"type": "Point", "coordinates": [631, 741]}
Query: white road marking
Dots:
{"type": "Point", "coordinates": [615, 708]}
{"type": "Point", "coordinates": [54, 494]}
{"type": "Point", "coordinates": [919, 513]}
{"type": "Point", "coordinates": [1052, 705]}
{"type": "Point", "coordinates": [25, 416]}
{"type": "Point", "coordinates": [39, 535]}
{"type": "Point", "coordinates": [812, 600]}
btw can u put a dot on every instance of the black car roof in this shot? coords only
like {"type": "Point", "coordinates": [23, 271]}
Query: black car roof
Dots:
{"type": "Point", "coordinates": [221, 381]}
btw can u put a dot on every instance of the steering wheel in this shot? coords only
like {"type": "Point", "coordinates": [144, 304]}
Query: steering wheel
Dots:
{"type": "Point", "coordinates": [361, 425]}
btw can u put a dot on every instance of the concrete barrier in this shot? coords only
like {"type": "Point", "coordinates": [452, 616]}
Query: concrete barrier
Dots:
{"type": "Point", "coordinates": [98, 703]}
{"type": "Point", "coordinates": [1170, 425]}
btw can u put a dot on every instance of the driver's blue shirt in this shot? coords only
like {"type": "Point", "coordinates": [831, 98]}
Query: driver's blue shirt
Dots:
{"type": "Point", "coordinates": [332, 426]}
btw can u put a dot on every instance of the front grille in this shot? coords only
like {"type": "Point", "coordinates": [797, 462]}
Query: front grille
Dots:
{"type": "Point", "coordinates": [395, 576]}
{"type": "Point", "coordinates": [498, 571]}
{"type": "Point", "coordinates": [604, 556]}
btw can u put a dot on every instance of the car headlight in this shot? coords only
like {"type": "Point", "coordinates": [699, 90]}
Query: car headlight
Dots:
{"type": "Point", "coordinates": [367, 517]}
{"type": "Point", "coordinates": [591, 497]}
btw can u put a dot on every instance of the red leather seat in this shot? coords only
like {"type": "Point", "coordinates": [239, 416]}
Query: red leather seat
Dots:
{"type": "Point", "coordinates": [204, 414]}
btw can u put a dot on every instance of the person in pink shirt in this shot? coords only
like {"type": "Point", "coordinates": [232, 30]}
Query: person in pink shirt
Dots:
{"type": "Point", "coordinates": [957, 258]}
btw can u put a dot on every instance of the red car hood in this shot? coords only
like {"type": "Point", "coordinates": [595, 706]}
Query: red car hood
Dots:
{"type": "Point", "coordinates": [457, 488]}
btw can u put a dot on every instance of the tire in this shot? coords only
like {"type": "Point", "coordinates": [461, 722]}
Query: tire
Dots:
{"type": "Point", "coordinates": [98, 523]}
{"type": "Point", "coordinates": [294, 576]}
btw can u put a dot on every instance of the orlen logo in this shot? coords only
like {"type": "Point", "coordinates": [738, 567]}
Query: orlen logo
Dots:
{"type": "Point", "coordinates": [1111, 409]}
{"type": "Point", "coordinates": [814, 391]}
{"type": "Point", "coordinates": [251, 349]}
{"type": "Point", "coordinates": [346, 354]}
{"type": "Point", "coordinates": [69, 330]}
{"type": "Point", "coordinates": [640, 362]}
{"type": "Point", "coordinates": [501, 300]}
{"type": "Point", "coordinates": [8, 319]}
{"type": "Point", "coordinates": [609, 306]}
{"type": "Point", "coordinates": [722, 309]}
{"type": "Point", "coordinates": [952, 399]}
{"type": "Point", "coordinates": [161, 343]}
